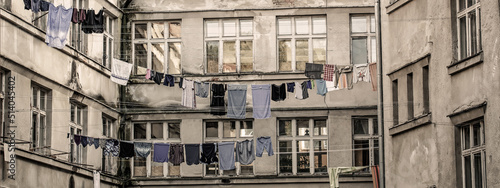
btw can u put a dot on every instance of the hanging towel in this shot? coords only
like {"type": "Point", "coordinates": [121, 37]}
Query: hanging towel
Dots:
{"type": "Point", "coordinates": [375, 176]}
{"type": "Point", "coordinates": [201, 89]}
{"type": "Point", "coordinates": [188, 98]}
{"type": "Point", "coordinates": [331, 86]}
{"type": "Point", "coordinates": [160, 154]}
{"type": "Point", "coordinates": [244, 152]}
{"type": "Point", "coordinates": [321, 85]}
{"type": "Point", "coordinates": [346, 77]}
{"type": "Point", "coordinates": [333, 173]}
{"type": "Point", "coordinates": [192, 154]}
{"type": "Point", "coordinates": [264, 142]}
{"type": "Point", "coordinates": [373, 75]}
{"type": "Point", "coordinates": [126, 149]}
{"type": "Point", "coordinates": [58, 21]}
{"type": "Point", "coordinates": [298, 94]}
{"type": "Point", "coordinates": [278, 92]}
{"type": "Point", "coordinates": [85, 141]}
{"type": "Point", "coordinates": [217, 105]}
{"type": "Point", "coordinates": [313, 71]}
{"type": "Point", "coordinates": [236, 101]}
{"type": "Point", "coordinates": [142, 149]}
{"type": "Point", "coordinates": [120, 71]}
{"type": "Point", "coordinates": [77, 139]}
{"type": "Point", "coordinates": [96, 142]}
{"type": "Point", "coordinates": [208, 153]}
{"type": "Point", "coordinates": [176, 154]}
{"type": "Point", "coordinates": [261, 101]}
{"type": "Point", "coordinates": [226, 156]}
{"type": "Point", "coordinates": [361, 73]}
{"type": "Point", "coordinates": [329, 72]}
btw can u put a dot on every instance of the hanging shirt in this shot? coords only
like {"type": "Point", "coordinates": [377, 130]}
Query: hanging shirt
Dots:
{"type": "Point", "coordinates": [120, 71]}
{"type": "Point", "coordinates": [27, 4]}
{"type": "Point", "coordinates": [44, 5]}
{"type": "Point", "coordinates": [321, 85]}
{"type": "Point", "coordinates": [236, 101]}
{"type": "Point", "coordinates": [88, 24]}
{"type": "Point", "coordinates": [361, 73]}
{"type": "Point", "coordinates": [290, 86]}
{"type": "Point", "coordinates": [226, 156]}
{"type": "Point", "coordinates": [169, 80]}
{"type": "Point", "coordinates": [328, 72]}
{"type": "Point", "coordinates": [208, 153]}
{"type": "Point", "coordinates": [160, 154]}
{"type": "Point", "coordinates": [278, 92]}
{"type": "Point", "coordinates": [98, 26]}
{"type": "Point", "coordinates": [176, 154]}
{"type": "Point", "coordinates": [305, 94]}
{"type": "Point", "coordinates": [201, 89]}
{"type": "Point", "coordinates": [298, 94]}
{"type": "Point", "coordinates": [261, 101]}
{"type": "Point", "coordinates": [142, 149]}
{"type": "Point", "coordinates": [58, 21]}
{"type": "Point", "coordinates": [188, 99]}
{"type": "Point", "coordinates": [244, 152]}
{"type": "Point", "coordinates": [217, 106]}
{"type": "Point", "coordinates": [192, 154]}
{"type": "Point", "coordinates": [35, 6]}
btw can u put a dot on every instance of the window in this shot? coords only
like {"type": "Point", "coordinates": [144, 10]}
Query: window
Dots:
{"type": "Point", "coordinates": [395, 103]}
{"type": "Point", "coordinates": [39, 19]}
{"type": "Point", "coordinates": [39, 108]}
{"type": "Point", "coordinates": [78, 37]}
{"type": "Point", "coordinates": [365, 141]}
{"type": "Point", "coordinates": [469, 27]}
{"type": "Point", "coordinates": [363, 41]}
{"type": "Point", "coordinates": [78, 118]}
{"type": "Point", "coordinates": [157, 46]}
{"type": "Point", "coordinates": [302, 151]}
{"type": "Point", "coordinates": [107, 41]}
{"type": "Point", "coordinates": [155, 132]}
{"type": "Point", "coordinates": [301, 40]}
{"type": "Point", "coordinates": [473, 154]}
{"type": "Point", "coordinates": [107, 132]}
{"type": "Point", "coordinates": [409, 95]}
{"type": "Point", "coordinates": [3, 106]}
{"type": "Point", "coordinates": [229, 45]}
{"type": "Point", "coordinates": [228, 131]}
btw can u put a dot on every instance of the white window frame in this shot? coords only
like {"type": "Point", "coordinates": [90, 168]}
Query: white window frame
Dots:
{"type": "Point", "coordinates": [295, 137]}
{"type": "Point", "coordinates": [370, 35]}
{"type": "Point", "coordinates": [371, 137]}
{"type": "Point", "coordinates": [165, 139]}
{"type": "Point", "coordinates": [237, 39]}
{"type": "Point", "coordinates": [108, 41]}
{"type": "Point", "coordinates": [293, 37]}
{"type": "Point", "coordinates": [472, 150]}
{"type": "Point", "coordinates": [148, 41]}
{"type": "Point", "coordinates": [77, 126]}
{"type": "Point", "coordinates": [108, 127]}
{"type": "Point", "coordinates": [78, 39]}
{"type": "Point", "coordinates": [465, 13]}
{"type": "Point", "coordinates": [220, 138]}
{"type": "Point", "coordinates": [39, 133]}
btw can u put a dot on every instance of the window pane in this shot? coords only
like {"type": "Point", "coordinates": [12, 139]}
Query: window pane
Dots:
{"type": "Point", "coordinates": [285, 128]}
{"type": "Point", "coordinates": [246, 27]}
{"type": "Point", "coordinates": [375, 126]}
{"type": "Point", "coordinates": [359, 51]}
{"type": "Point", "coordinates": [375, 152]}
{"type": "Point", "coordinates": [303, 127]}
{"type": "Point", "coordinates": [479, 29]}
{"type": "Point", "coordinates": [34, 140]}
{"type": "Point", "coordinates": [246, 56]}
{"type": "Point", "coordinates": [302, 26]}
{"type": "Point", "coordinates": [284, 26]}
{"type": "Point", "coordinates": [319, 25]}
{"type": "Point", "coordinates": [320, 161]}
{"type": "Point", "coordinates": [140, 166]}
{"type": "Point", "coordinates": [319, 51]}
{"type": "Point", "coordinates": [320, 127]}
{"type": "Point", "coordinates": [229, 56]}
{"type": "Point", "coordinates": [157, 55]}
{"type": "Point", "coordinates": [285, 55]}
{"type": "Point", "coordinates": [361, 126]}
{"type": "Point", "coordinates": [461, 4]}
{"type": "Point", "coordinates": [157, 30]}
{"type": "Point", "coordinates": [174, 28]}
{"type": "Point", "coordinates": [104, 49]}
{"type": "Point", "coordinates": [174, 58]}
{"type": "Point", "coordinates": [229, 28]}
{"type": "Point", "coordinates": [213, 57]}
{"type": "Point", "coordinates": [104, 126]}
{"type": "Point", "coordinates": [110, 52]}
{"type": "Point", "coordinates": [140, 131]}
{"type": "Point", "coordinates": [35, 97]}
{"type": "Point", "coordinates": [247, 169]}
{"type": "Point", "coordinates": [42, 130]}
{"type": "Point", "coordinates": [476, 133]}
{"type": "Point", "coordinates": [372, 24]}
{"type": "Point", "coordinates": [303, 163]}
{"type": "Point", "coordinates": [211, 169]}
{"type": "Point", "coordinates": [478, 170]}
{"type": "Point", "coordinates": [470, 3]}
{"type": "Point", "coordinates": [72, 113]}
{"type": "Point", "coordinates": [285, 146]}
{"type": "Point", "coordinates": [174, 170]}
{"type": "Point", "coordinates": [473, 35]}
{"type": "Point", "coordinates": [303, 146]}
{"type": "Point", "coordinates": [301, 54]}
{"type": "Point", "coordinates": [212, 129]}
{"type": "Point", "coordinates": [141, 30]}
{"type": "Point", "coordinates": [320, 145]}
{"type": "Point", "coordinates": [78, 115]}
{"type": "Point", "coordinates": [358, 24]}
{"type": "Point", "coordinates": [229, 172]}
{"type": "Point", "coordinates": [468, 174]}
{"type": "Point", "coordinates": [246, 129]}
{"type": "Point", "coordinates": [463, 37]}
{"type": "Point", "coordinates": [229, 128]}
{"type": "Point", "coordinates": [141, 57]}
{"type": "Point", "coordinates": [156, 130]}
{"type": "Point", "coordinates": [174, 130]}
{"type": "Point", "coordinates": [361, 153]}
{"type": "Point", "coordinates": [212, 28]}
{"type": "Point", "coordinates": [466, 137]}
{"type": "Point", "coordinates": [285, 163]}
{"type": "Point", "coordinates": [156, 168]}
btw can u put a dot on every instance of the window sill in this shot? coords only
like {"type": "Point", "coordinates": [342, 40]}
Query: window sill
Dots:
{"type": "Point", "coordinates": [410, 124]}
{"type": "Point", "coordinates": [466, 63]}
{"type": "Point", "coordinates": [396, 5]}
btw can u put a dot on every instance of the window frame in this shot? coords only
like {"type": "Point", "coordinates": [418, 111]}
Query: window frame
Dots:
{"type": "Point", "coordinates": [39, 132]}
{"type": "Point", "coordinates": [108, 40]}
{"type": "Point", "coordinates": [78, 39]}
{"type": "Point", "coordinates": [465, 13]}
{"type": "Point", "coordinates": [108, 126]}
{"type": "Point", "coordinates": [294, 138]}
{"type": "Point", "coordinates": [293, 37]}
{"type": "Point", "coordinates": [472, 151]}
{"type": "Point", "coordinates": [371, 137]}
{"type": "Point", "coordinates": [77, 126]}
{"type": "Point", "coordinates": [369, 35]}
{"type": "Point", "coordinates": [166, 40]}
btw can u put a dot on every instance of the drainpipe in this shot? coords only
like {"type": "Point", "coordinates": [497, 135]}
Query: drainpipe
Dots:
{"type": "Point", "coordinates": [380, 105]}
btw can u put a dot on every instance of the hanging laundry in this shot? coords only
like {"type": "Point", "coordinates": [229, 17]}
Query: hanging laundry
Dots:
{"type": "Point", "coordinates": [298, 94]}
{"type": "Point", "coordinates": [346, 77]}
{"type": "Point", "coordinates": [142, 149]}
{"type": "Point", "coordinates": [112, 148]}
{"type": "Point", "coordinates": [126, 149]}
{"type": "Point", "coordinates": [90, 141]}
{"type": "Point", "coordinates": [261, 101]}
{"type": "Point", "coordinates": [158, 76]}
{"type": "Point", "coordinates": [188, 99]}
{"type": "Point", "coordinates": [236, 101]}
{"type": "Point", "coordinates": [176, 154]}
{"type": "Point", "coordinates": [321, 84]}
{"type": "Point", "coordinates": [85, 141]}
{"type": "Point", "coordinates": [96, 143]}
{"type": "Point", "coordinates": [82, 16]}
{"type": "Point", "coordinates": [75, 15]}
{"type": "Point", "coordinates": [290, 86]}
{"type": "Point", "coordinates": [120, 71]}
{"type": "Point", "coordinates": [278, 92]}
{"type": "Point", "coordinates": [333, 173]}
{"type": "Point", "coordinates": [58, 21]}
{"type": "Point", "coordinates": [77, 139]}
{"type": "Point", "coordinates": [180, 82]}
{"type": "Point", "coordinates": [201, 89]}
{"type": "Point", "coordinates": [373, 75]}
{"type": "Point", "coordinates": [217, 106]}
{"type": "Point", "coordinates": [88, 24]}
{"type": "Point", "coordinates": [309, 85]}
{"type": "Point", "coordinates": [226, 156]}
{"type": "Point", "coordinates": [313, 71]}
{"type": "Point", "coordinates": [160, 154]}
{"type": "Point", "coordinates": [148, 74]}
{"type": "Point", "coordinates": [331, 86]}
{"type": "Point", "coordinates": [192, 154]}
{"type": "Point", "coordinates": [264, 142]}
{"type": "Point", "coordinates": [244, 152]}
{"type": "Point", "coordinates": [44, 5]}
{"type": "Point", "coordinates": [169, 80]}
{"type": "Point", "coordinates": [98, 26]}
{"type": "Point", "coordinates": [305, 94]}
{"type": "Point", "coordinates": [35, 6]}
{"type": "Point", "coordinates": [102, 143]}
{"type": "Point", "coordinates": [329, 72]}
{"type": "Point", "coordinates": [208, 153]}
{"type": "Point", "coordinates": [361, 73]}
{"type": "Point", "coordinates": [27, 4]}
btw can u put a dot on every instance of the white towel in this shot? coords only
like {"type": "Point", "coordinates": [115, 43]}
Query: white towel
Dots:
{"type": "Point", "coordinates": [120, 71]}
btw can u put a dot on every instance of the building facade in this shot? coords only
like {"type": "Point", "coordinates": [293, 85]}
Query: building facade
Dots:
{"type": "Point", "coordinates": [440, 93]}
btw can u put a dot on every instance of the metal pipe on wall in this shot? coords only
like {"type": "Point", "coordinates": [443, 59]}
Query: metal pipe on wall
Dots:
{"type": "Point", "coordinates": [380, 95]}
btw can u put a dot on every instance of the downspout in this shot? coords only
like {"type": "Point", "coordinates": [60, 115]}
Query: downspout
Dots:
{"type": "Point", "coordinates": [380, 95]}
